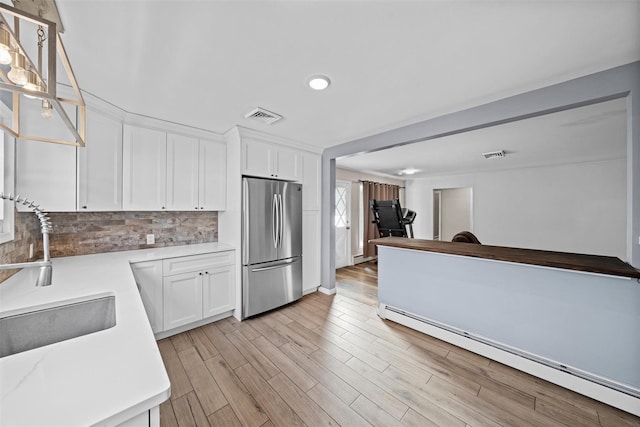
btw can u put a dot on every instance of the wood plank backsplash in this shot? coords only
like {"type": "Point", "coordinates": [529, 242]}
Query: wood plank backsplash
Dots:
{"type": "Point", "coordinates": [85, 233]}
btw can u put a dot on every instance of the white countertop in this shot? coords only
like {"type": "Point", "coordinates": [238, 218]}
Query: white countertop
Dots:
{"type": "Point", "coordinates": [106, 377]}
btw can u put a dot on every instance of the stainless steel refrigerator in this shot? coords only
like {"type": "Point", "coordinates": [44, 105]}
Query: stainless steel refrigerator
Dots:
{"type": "Point", "coordinates": [271, 244]}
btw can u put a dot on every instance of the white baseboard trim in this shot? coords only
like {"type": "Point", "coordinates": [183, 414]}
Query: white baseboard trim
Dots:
{"type": "Point", "coordinates": [359, 259]}
{"type": "Point", "coordinates": [310, 290]}
{"type": "Point", "coordinates": [601, 393]}
{"type": "Point", "coordinates": [183, 328]}
{"type": "Point", "coordinates": [327, 291]}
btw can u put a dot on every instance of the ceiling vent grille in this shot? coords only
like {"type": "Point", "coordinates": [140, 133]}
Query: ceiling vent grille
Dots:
{"type": "Point", "coordinates": [494, 154]}
{"type": "Point", "coordinates": [263, 115]}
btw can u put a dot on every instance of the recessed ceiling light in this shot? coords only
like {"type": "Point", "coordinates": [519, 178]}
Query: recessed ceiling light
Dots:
{"type": "Point", "coordinates": [408, 171]}
{"type": "Point", "coordinates": [319, 82]}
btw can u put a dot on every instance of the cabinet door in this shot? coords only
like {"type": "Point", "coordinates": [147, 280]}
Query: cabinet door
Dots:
{"type": "Point", "coordinates": [311, 182]}
{"type": "Point", "coordinates": [289, 165]}
{"type": "Point", "coordinates": [259, 159]}
{"type": "Point", "coordinates": [182, 299]}
{"type": "Point", "coordinates": [46, 174]}
{"type": "Point", "coordinates": [148, 277]}
{"type": "Point", "coordinates": [213, 176]}
{"type": "Point", "coordinates": [310, 250]}
{"type": "Point", "coordinates": [100, 165]}
{"type": "Point", "coordinates": [144, 164]}
{"type": "Point", "coordinates": [217, 290]}
{"type": "Point", "coordinates": [182, 173]}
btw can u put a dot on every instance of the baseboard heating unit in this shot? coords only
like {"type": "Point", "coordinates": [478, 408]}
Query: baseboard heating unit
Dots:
{"type": "Point", "coordinates": [586, 383]}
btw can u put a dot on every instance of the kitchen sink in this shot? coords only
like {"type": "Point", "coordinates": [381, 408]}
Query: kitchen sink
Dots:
{"type": "Point", "coordinates": [33, 329]}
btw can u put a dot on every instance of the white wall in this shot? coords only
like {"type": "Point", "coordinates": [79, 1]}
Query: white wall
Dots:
{"type": "Point", "coordinates": [569, 208]}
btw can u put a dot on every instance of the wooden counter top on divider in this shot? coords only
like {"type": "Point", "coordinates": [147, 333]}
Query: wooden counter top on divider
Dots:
{"type": "Point", "coordinates": [579, 262]}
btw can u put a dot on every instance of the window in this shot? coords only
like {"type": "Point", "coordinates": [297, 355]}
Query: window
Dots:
{"type": "Point", "coordinates": [341, 207]}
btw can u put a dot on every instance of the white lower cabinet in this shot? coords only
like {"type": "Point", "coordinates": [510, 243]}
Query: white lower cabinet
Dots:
{"type": "Point", "coordinates": [185, 290]}
{"type": "Point", "coordinates": [182, 299]}
{"type": "Point", "coordinates": [218, 293]}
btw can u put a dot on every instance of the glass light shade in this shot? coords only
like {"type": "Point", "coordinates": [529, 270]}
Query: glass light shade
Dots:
{"type": "Point", "coordinates": [32, 84]}
{"type": "Point", "coordinates": [47, 109]}
{"type": "Point", "coordinates": [17, 74]}
{"type": "Point", "coordinates": [5, 56]}
{"type": "Point", "coordinates": [5, 47]}
{"type": "Point", "coordinates": [319, 82]}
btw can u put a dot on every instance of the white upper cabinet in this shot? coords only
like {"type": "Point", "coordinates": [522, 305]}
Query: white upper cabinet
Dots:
{"type": "Point", "coordinates": [271, 161]}
{"type": "Point", "coordinates": [258, 159]}
{"type": "Point", "coordinates": [196, 174]}
{"type": "Point", "coordinates": [138, 166]}
{"type": "Point", "coordinates": [165, 171]}
{"type": "Point", "coordinates": [144, 165]}
{"type": "Point", "coordinates": [212, 193]}
{"type": "Point", "coordinates": [182, 173]}
{"type": "Point", "coordinates": [289, 164]}
{"type": "Point", "coordinates": [100, 165]}
{"type": "Point", "coordinates": [45, 172]}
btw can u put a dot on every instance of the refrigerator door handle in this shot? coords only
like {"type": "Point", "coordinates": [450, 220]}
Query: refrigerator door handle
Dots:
{"type": "Point", "coordinates": [272, 267]}
{"type": "Point", "coordinates": [245, 219]}
{"type": "Point", "coordinates": [281, 215]}
{"type": "Point", "coordinates": [275, 223]}
{"type": "Point", "coordinates": [278, 219]}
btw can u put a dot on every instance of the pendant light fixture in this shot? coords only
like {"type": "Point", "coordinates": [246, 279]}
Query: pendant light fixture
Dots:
{"type": "Point", "coordinates": [33, 84]}
{"type": "Point", "coordinates": [47, 109]}
{"type": "Point", "coordinates": [5, 46]}
{"type": "Point", "coordinates": [38, 80]}
{"type": "Point", "coordinates": [18, 73]}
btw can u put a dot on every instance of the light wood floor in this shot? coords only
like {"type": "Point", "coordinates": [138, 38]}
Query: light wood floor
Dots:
{"type": "Point", "coordinates": [329, 360]}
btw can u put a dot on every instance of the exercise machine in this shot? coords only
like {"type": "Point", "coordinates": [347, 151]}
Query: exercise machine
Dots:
{"type": "Point", "coordinates": [391, 219]}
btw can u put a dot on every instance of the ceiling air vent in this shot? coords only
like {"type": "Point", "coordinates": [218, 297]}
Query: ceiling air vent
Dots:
{"type": "Point", "coordinates": [264, 115]}
{"type": "Point", "coordinates": [494, 154]}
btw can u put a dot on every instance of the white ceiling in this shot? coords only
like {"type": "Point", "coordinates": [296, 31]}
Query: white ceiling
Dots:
{"type": "Point", "coordinates": [592, 133]}
{"type": "Point", "coordinates": [206, 63]}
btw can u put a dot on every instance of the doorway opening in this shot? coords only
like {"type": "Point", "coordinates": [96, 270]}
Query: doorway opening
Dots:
{"type": "Point", "coordinates": [452, 212]}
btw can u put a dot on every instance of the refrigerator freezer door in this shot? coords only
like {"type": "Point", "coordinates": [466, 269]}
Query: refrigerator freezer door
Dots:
{"type": "Point", "coordinates": [290, 220]}
{"type": "Point", "coordinates": [260, 225]}
{"type": "Point", "coordinates": [270, 285]}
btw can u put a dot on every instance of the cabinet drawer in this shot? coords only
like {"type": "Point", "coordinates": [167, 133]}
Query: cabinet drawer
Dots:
{"type": "Point", "coordinates": [187, 264]}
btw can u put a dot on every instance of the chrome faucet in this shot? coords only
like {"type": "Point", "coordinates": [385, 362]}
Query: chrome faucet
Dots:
{"type": "Point", "coordinates": [46, 270]}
